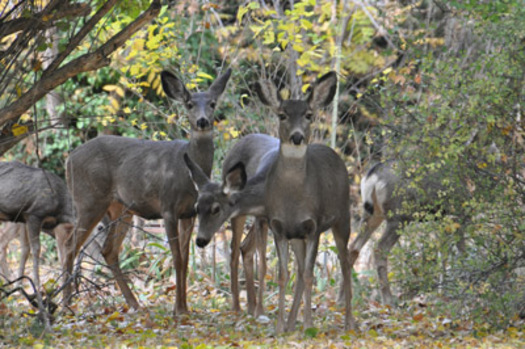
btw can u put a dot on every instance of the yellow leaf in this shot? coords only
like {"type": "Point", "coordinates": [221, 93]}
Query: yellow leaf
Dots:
{"type": "Point", "coordinates": [113, 316]}
{"type": "Point", "coordinates": [127, 110]}
{"type": "Point", "coordinates": [114, 103]}
{"type": "Point", "coordinates": [204, 75]}
{"type": "Point", "coordinates": [25, 117]}
{"type": "Point", "coordinates": [305, 87]}
{"type": "Point", "coordinates": [143, 126]}
{"type": "Point", "coordinates": [19, 130]}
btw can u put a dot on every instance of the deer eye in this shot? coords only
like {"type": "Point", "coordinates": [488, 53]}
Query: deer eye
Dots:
{"type": "Point", "coordinates": [309, 116]}
{"type": "Point", "coordinates": [282, 116]}
{"type": "Point", "coordinates": [189, 105]}
{"type": "Point", "coordinates": [215, 208]}
{"type": "Point", "coordinates": [212, 105]}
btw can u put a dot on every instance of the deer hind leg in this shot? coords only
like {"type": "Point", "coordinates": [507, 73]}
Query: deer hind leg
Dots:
{"type": "Point", "coordinates": [237, 232]}
{"type": "Point", "coordinates": [89, 214]}
{"type": "Point", "coordinates": [387, 241]}
{"type": "Point", "coordinates": [33, 227]}
{"type": "Point", "coordinates": [25, 246]}
{"type": "Point", "coordinates": [111, 248]}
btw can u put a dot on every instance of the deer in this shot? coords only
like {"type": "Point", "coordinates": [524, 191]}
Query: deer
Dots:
{"type": "Point", "coordinates": [305, 193]}
{"type": "Point", "coordinates": [40, 200]}
{"type": "Point", "coordinates": [240, 194]}
{"type": "Point", "coordinates": [122, 177]}
{"type": "Point", "coordinates": [300, 189]}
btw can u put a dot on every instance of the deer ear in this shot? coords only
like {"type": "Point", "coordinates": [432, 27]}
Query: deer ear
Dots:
{"type": "Point", "coordinates": [198, 176]}
{"type": "Point", "coordinates": [235, 179]}
{"type": "Point", "coordinates": [268, 93]}
{"type": "Point", "coordinates": [174, 87]}
{"type": "Point", "coordinates": [218, 86]}
{"type": "Point", "coordinates": [323, 91]}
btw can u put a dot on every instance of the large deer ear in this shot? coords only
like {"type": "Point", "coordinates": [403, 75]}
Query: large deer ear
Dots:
{"type": "Point", "coordinates": [174, 87]}
{"type": "Point", "coordinates": [235, 179]}
{"type": "Point", "coordinates": [196, 173]}
{"type": "Point", "coordinates": [323, 91]}
{"type": "Point", "coordinates": [218, 86]}
{"type": "Point", "coordinates": [268, 93]}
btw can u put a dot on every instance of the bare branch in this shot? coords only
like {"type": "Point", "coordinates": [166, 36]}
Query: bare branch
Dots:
{"type": "Point", "coordinates": [91, 61]}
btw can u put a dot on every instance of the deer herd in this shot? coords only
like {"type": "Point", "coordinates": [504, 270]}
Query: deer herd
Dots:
{"type": "Point", "coordinates": [297, 189]}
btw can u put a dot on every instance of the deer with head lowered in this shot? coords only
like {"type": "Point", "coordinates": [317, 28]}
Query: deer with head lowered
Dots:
{"type": "Point", "coordinates": [39, 199]}
{"type": "Point", "coordinates": [302, 190]}
{"type": "Point", "coordinates": [122, 177]}
{"type": "Point", "coordinates": [240, 194]}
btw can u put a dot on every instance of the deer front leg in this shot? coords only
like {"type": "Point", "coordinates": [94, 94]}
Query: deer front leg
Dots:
{"type": "Point", "coordinates": [172, 231]}
{"type": "Point", "coordinates": [262, 240]}
{"type": "Point", "coordinates": [281, 245]}
{"type": "Point", "coordinates": [248, 251]}
{"type": "Point", "coordinates": [237, 230]}
{"type": "Point", "coordinates": [186, 228]}
{"type": "Point", "coordinates": [110, 252]}
{"type": "Point", "coordinates": [299, 249]}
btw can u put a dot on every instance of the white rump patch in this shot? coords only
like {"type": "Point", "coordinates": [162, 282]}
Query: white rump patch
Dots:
{"type": "Point", "coordinates": [368, 185]}
{"type": "Point", "coordinates": [293, 151]}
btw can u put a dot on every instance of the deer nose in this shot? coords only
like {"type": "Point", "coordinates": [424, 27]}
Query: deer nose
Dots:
{"type": "Point", "coordinates": [203, 123]}
{"type": "Point", "coordinates": [297, 138]}
{"type": "Point", "coordinates": [201, 242]}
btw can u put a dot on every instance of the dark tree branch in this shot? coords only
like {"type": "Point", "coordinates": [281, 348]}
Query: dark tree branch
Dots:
{"type": "Point", "coordinates": [41, 21]}
{"type": "Point", "coordinates": [84, 31]}
{"type": "Point", "coordinates": [88, 62]}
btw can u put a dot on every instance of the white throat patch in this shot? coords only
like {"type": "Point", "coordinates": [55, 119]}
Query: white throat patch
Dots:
{"type": "Point", "coordinates": [293, 151]}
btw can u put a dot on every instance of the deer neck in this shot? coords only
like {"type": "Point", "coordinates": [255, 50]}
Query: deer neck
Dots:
{"type": "Point", "coordinates": [292, 161]}
{"type": "Point", "coordinates": [201, 149]}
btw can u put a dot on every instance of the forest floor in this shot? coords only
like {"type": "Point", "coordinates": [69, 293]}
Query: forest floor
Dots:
{"type": "Point", "coordinates": [99, 318]}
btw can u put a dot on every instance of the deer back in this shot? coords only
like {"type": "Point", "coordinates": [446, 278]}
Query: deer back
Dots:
{"type": "Point", "coordinates": [25, 191]}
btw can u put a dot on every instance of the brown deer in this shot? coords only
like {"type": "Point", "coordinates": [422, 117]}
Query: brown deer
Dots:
{"type": "Point", "coordinates": [241, 193]}
{"type": "Point", "coordinates": [306, 193]}
{"type": "Point", "coordinates": [122, 177]}
{"type": "Point", "coordinates": [40, 200]}
{"type": "Point", "coordinates": [302, 191]}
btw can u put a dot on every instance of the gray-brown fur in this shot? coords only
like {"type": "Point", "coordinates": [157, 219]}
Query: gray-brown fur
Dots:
{"type": "Point", "coordinates": [240, 194]}
{"type": "Point", "coordinates": [122, 177]}
{"type": "Point", "coordinates": [39, 199]}
{"type": "Point", "coordinates": [306, 193]}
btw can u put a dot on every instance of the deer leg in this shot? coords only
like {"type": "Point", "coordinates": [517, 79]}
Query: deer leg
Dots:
{"type": "Point", "coordinates": [172, 230]}
{"type": "Point", "coordinates": [89, 214]}
{"type": "Point", "coordinates": [281, 245]}
{"type": "Point", "coordinates": [262, 239]}
{"type": "Point", "coordinates": [299, 249]}
{"type": "Point", "coordinates": [341, 237]}
{"type": "Point", "coordinates": [248, 252]}
{"type": "Point", "coordinates": [367, 227]}
{"type": "Point", "coordinates": [23, 236]}
{"type": "Point", "coordinates": [62, 232]}
{"type": "Point", "coordinates": [110, 250]}
{"type": "Point", "coordinates": [387, 241]}
{"type": "Point", "coordinates": [186, 227]}
{"type": "Point", "coordinates": [33, 228]}
{"type": "Point", "coordinates": [237, 231]}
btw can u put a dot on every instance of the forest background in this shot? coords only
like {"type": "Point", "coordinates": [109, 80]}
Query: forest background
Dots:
{"type": "Point", "coordinates": [437, 85]}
